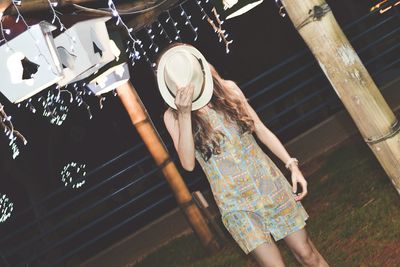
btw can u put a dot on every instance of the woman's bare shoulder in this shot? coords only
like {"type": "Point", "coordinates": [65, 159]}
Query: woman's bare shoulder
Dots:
{"type": "Point", "coordinates": [169, 117]}
{"type": "Point", "coordinates": [234, 88]}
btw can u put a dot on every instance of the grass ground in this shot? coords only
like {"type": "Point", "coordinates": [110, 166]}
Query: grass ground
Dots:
{"type": "Point", "coordinates": [354, 219]}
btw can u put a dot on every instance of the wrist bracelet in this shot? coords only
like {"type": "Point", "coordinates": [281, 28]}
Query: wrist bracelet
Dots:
{"type": "Point", "coordinates": [290, 161]}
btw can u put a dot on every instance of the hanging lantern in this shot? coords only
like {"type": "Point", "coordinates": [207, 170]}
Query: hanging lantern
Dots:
{"type": "Point", "coordinates": [114, 73]}
{"type": "Point", "coordinates": [83, 49]}
{"type": "Point", "coordinates": [233, 8]}
{"type": "Point", "coordinates": [29, 63]}
{"type": "Point", "coordinates": [110, 79]}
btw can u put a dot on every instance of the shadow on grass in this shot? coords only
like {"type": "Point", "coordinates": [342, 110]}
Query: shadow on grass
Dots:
{"type": "Point", "coordinates": [354, 219]}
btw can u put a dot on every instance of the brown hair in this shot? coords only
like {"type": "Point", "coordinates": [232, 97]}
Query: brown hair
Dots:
{"type": "Point", "coordinates": [206, 138]}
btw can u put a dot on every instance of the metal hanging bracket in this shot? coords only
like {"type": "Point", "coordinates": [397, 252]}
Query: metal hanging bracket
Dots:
{"type": "Point", "coordinates": [394, 129]}
{"type": "Point", "coordinates": [317, 13]}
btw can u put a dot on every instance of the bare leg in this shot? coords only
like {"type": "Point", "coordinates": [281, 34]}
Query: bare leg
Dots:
{"type": "Point", "coordinates": [268, 255]}
{"type": "Point", "coordinates": [304, 250]}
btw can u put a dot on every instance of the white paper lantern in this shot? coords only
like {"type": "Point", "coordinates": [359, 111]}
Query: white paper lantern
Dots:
{"type": "Point", "coordinates": [84, 49]}
{"type": "Point", "coordinates": [110, 79]}
{"type": "Point", "coordinates": [29, 63]}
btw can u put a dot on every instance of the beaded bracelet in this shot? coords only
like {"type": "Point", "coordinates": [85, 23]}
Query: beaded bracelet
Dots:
{"type": "Point", "coordinates": [290, 161]}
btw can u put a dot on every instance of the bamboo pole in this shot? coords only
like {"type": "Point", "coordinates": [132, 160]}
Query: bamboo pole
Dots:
{"type": "Point", "coordinates": [351, 81]}
{"type": "Point", "coordinates": [141, 120]}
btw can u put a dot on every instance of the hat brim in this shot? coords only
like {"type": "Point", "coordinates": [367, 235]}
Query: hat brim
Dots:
{"type": "Point", "coordinates": [168, 97]}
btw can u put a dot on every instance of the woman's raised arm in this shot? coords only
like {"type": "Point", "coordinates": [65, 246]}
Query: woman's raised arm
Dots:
{"type": "Point", "coordinates": [180, 128]}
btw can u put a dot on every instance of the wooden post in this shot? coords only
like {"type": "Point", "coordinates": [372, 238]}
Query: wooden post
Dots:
{"type": "Point", "coordinates": [141, 120]}
{"type": "Point", "coordinates": [4, 4]}
{"type": "Point", "coordinates": [351, 81]}
{"type": "Point", "coordinates": [202, 203]}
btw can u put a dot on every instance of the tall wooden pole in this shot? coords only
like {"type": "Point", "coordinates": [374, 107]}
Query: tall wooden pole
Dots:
{"type": "Point", "coordinates": [141, 120]}
{"type": "Point", "coordinates": [350, 79]}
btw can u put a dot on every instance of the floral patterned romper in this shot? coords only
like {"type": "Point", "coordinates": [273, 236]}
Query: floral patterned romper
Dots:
{"type": "Point", "coordinates": [253, 196]}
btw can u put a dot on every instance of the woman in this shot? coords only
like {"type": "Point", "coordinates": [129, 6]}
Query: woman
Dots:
{"type": "Point", "coordinates": [254, 198]}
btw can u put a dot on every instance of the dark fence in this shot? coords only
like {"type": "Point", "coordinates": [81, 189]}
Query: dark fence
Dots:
{"type": "Point", "coordinates": [66, 227]}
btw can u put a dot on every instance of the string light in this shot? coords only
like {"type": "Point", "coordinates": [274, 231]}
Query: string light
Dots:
{"type": "Point", "coordinates": [202, 10]}
{"type": "Point", "coordinates": [163, 31]}
{"type": "Point", "coordinates": [101, 100]}
{"type": "Point", "coordinates": [54, 107]}
{"type": "Point", "coordinates": [72, 175]}
{"type": "Point", "coordinates": [62, 27]}
{"type": "Point", "coordinates": [81, 90]}
{"type": "Point", "coordinates": [55, 16]}
{"type": "Point", "coordinates": [6, 208]}
{"type": "Point", "coordinates": [10, 132]}
{"type": "Point", "coordinates": [222, 35]}
{"type": "Point", "coordinates": [188, 22]}
{"type": "Point", "coordinates": [15, 3]}
{"type": "Point", "coordinates": [153, 45]}
{"type": "Point", "coordinates": [144, 53]}
{"type": "Point", "coordinates": [29, 105]}
{"type": "Point", "coordinates": [174, 24]}
{"type": "Point", "coordinates": [4, 31]}
{"type": "Point", "coordinates": [133, 42]}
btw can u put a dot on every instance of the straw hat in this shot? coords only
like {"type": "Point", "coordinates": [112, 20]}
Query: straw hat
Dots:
{"type": "Point", "coordinates": [179, 66]}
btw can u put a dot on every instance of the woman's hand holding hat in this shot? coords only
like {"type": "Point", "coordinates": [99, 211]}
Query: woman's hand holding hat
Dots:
{"type": "Point", "coordinates": [183, 98]}
{"type": "Point", "coordinates": [180, 65]}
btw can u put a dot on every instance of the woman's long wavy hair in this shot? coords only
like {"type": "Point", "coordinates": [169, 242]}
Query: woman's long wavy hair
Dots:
{"type": "Point", "coordinates": [208, 140]}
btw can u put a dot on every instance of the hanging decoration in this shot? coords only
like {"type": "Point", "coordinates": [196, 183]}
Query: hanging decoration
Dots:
{"type": "Point", "coordinates": [92, 45]}
{"type": "Point", "coordinates": [113, 74]}
{"type": "Point", "coordinates": [223, 36]}
{"type": "Point", "coordinates": [72, 175]}
{"type": "Point", "coordinates": [110, 79]}
{"type": "Point", "coordinates": [189, 22]}
{"type": "Point", "coordinates": [6, 208]}
{"type": "Point", "coordinates": [27, 70]}
{"type": "Point", "coordinates": [10, 132]}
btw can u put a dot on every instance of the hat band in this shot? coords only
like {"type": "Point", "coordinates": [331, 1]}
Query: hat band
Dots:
{"type": "Point", "coordinates": [203, 83]}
